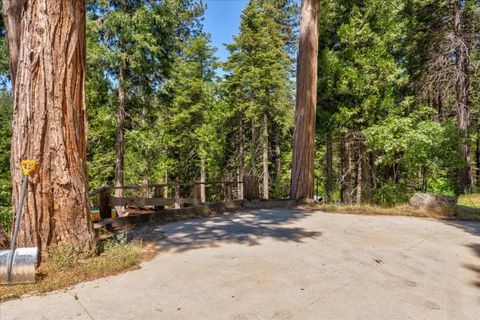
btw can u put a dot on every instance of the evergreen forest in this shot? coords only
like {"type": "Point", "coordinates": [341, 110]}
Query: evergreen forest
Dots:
{"type": "Point", "coordinates": [398, 99]}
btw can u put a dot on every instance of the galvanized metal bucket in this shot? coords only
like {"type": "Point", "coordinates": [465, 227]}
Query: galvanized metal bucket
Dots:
{"type": "Point", "coordinates": [25, 261]}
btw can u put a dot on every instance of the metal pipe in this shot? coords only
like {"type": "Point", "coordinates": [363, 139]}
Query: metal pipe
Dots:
{"type": "Point", "coordinates": [18, 218]}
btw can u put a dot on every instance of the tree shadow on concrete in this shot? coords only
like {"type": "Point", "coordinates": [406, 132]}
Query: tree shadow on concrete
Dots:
{"type": "Point", "coordinates": [246, 228]}
{"type": "Point", "coordinates": [475, 247]}
{"type": "Point", "coordinates": [472, 227]}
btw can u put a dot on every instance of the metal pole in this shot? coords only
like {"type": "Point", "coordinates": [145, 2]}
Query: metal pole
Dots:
{"type": "Point", "coordinates": [15, 231]}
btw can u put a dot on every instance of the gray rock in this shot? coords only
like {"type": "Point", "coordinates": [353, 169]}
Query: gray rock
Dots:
{"type": "Point", "coordinates": [434, 202]}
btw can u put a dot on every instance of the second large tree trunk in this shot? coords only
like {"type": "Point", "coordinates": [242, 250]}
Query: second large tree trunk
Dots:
{"type": "Point", "coordinates": [49, 124]}
{"type": "Point", "coordinates": [301, 187]}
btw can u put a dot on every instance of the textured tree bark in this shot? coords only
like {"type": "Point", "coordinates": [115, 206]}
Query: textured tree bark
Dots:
{"type": "Point", "coordinates": [266, 174]}
{"type": "Point", "coordinates": [463, 116]}
{"type": "Point", "coordinates": [202, 180]}
{"type": "Point", "coordinates": [119, 139]}
{"type": "Point", "coordinates": [49, 124]}
{"type": "Point", "coordinates": [329, 167]}
{"type": "Point", "coordinates": [301, 186]}
{"type": "Point", "coordinates": [13, 22]}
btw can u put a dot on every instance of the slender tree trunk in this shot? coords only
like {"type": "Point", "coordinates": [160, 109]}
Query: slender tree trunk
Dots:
{"type": "Point", "coordinates": [165, 191]}
{"type": "Point", "coordinates": [49, 122]}
{"type": "Point", "coordinates": [359, 188]}
{"type": "Point", "coordinates": [329, 167]}
{"type": "Point", "coordinates": [278, 161]}
{"type": "Point", "coordinates": [345, 164]}
{"type": "Point", "coordinates": [342, 170]}
{"type": "Point", "coordinates": [119, 139]}
{"type": "Point", "coordinates": [463, 116]}
{"type": "Point", "coordinates": [241, 157]}
{"type": "Point", "coordinates": [477, 156]}
{"type": "Point", "coordinates": [202, 180]}
{"type": "Point", "coordinates": [348, 174]}
{"type": "Point", "coordinates": [253, 150]}
{"type": "Point", "coordinates": [301, 186]}
{"type": "Point", "coordinates": [266, 174]}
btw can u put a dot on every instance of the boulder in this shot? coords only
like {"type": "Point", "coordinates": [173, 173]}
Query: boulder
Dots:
{"type": "Point", "coordinates": [438, 203]}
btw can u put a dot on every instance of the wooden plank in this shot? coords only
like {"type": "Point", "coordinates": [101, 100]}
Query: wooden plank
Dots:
{"type": "Point", "coordinates": [144, 202]}
{"type": "Point", "coordinates": [140, 202]}
{"type": "Point", "coordinates": [251, 188]}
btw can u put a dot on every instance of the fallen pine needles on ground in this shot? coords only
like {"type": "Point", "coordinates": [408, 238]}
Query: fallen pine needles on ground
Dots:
{"type": "Point", "coordinates": [66, 266]}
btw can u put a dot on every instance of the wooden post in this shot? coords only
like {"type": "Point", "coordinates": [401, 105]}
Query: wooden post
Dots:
{"type": "Point", "coordinates": [158, 193]}
{"type": "Point", "coordinates": [104, 207]}
{"type": "Point", "coordinates": [250, 188]}
{"type": "Point", "coordinates": [197, 194]}
{"type": "Point", "coordinates": [228, 191]}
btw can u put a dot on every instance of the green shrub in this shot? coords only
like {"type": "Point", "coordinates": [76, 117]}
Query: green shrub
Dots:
{"type": "Point", "coordinates": [391, 194]}
{"type": "Point", "coordinates": [441, 186]}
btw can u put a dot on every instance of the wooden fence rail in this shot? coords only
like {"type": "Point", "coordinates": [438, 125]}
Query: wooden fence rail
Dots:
{"type": "Point", "coordinates": [159, 199]}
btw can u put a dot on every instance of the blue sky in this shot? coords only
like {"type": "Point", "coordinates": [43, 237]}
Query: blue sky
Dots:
{"type": "Point", "coordinates": [222, 20]}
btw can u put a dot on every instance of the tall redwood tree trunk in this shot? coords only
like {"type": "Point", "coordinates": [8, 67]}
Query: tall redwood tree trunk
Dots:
{"type": "Point", "coordinates": [301, 186]}
{"type": "Point", "coordinates": [49, 121]}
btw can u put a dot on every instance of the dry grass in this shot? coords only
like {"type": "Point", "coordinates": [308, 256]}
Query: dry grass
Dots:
{"type": "Point", "coordinates": [66, 267]}
{"type": "Point", "coordinates": [470, 200]}
{"type": "Point", "coordinates": [461, 213]}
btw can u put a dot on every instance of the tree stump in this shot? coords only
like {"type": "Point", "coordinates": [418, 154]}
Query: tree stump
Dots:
{"type": "Point", "coordinates": [251, 188]}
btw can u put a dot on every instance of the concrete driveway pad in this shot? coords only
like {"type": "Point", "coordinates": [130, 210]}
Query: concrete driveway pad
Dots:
{"type": "Point", "coordinates": [286, 264]}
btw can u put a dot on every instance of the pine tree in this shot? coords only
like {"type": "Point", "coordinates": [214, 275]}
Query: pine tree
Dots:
{"type": "Point", "coordinates": [258, 85]}
{"type": "Point", "coordinates": [189, 118]}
